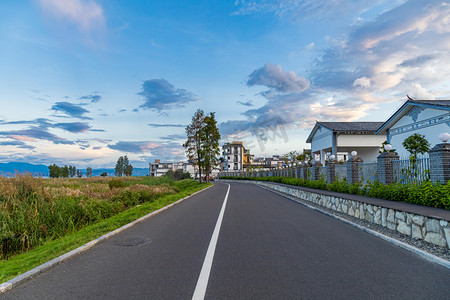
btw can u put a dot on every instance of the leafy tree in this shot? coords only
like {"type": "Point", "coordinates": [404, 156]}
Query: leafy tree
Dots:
{"type": "Point", "coordinates": [123, 167]}
{"type": "Point", "coordinates": [210, 137]}
{"type": "Point", "coordinates": [193, 143]}
{"type": "Point", "coordinates": [79, 174]}
{"type": "Point", "coordinates": [416, 144]}
{"type": "Point", "coordinates": [128, 170]}
{"type": "Point", "coordinates": [88, 172]}
{"type": "Point", "coordinates": [54, 171]}
{"type": "Point", "coordinates": [203, 141]}
{"type": "Point", "coordinates": [65, 171]}
{"type": "Point", "coordinates": [72, 171]}
{"type": "Point", "coordinates": [292, 158]}
{"type": "Point", "coordinates": [118, 171]}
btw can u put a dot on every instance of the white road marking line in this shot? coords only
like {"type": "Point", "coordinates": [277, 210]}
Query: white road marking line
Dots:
{"type": "Point", "coordinates": [202, 282]}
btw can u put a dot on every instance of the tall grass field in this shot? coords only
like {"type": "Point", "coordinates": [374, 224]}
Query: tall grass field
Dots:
{"type": "Point", "coordinates": [34, 211]}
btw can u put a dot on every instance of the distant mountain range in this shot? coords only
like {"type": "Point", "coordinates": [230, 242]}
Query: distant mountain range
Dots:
{"type": "Point", "coordinates": [11, 168]}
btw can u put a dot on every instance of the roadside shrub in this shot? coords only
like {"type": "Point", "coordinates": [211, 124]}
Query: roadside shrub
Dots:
{"type": "Point", "coordinates": [178, 175]}
{"type": "Point", "coordinates": [116, 183]}
{"type": "Point", "coordinates": [426, 193]}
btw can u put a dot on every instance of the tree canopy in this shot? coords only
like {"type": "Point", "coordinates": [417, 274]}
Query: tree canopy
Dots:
{"type": "Point", "coordinates": [203, 141]}
{"type": "Point", "coordinates": [57, 172]}
{"type": "Point", "coordinates": [416, 144]}
{"type": "Point", "coordinates": [123, 167]}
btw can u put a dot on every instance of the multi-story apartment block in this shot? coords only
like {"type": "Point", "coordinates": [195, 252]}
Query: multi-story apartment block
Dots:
{"type": "Point", "coordinates": [234, 156]}
{"type": "Point", "coordinates": [237, 158]}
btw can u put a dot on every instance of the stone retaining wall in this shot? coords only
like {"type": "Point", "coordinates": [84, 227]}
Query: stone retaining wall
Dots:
{"type": "Point", "coordinates": [432, 230]}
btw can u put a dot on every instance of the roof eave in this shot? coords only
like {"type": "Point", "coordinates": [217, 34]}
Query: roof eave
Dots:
{"type": "Point", "coordinates": [381, 129]}
{"type": "Point", "coordinates": [313, 132]}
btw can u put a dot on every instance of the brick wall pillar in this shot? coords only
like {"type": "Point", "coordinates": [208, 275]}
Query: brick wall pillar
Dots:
{"type": "Point", "coordinates": [385, 167]}
{"type": "Point", "coordinates": [353, 169]}
{"type": "Point", "coordinates": [306, 167]}
{"type": "Point", "coordinates": [331, 171]}
{"type": "Point", "coordinates": [440, 163]}
{"type": "Point", "coordinates": [316, 170]}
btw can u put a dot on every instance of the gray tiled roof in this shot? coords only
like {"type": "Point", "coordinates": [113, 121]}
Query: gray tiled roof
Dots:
{"type": "Point", "coordinates": [352, 126]}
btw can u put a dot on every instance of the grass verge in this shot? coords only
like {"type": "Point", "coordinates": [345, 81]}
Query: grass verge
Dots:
{"type": "Point", "coordinates": [24, 262]}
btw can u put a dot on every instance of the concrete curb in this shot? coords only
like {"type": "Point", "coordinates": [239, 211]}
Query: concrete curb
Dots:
{"type": "Point", "coordinates": [423, 254]}
{"type": "Point", "coordinates": [44, 267]}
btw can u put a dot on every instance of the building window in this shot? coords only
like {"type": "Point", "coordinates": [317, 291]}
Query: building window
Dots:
{"type": "Point", "coordinates": [236, 150]}
{"type": "Point", "coordinates": [235, 158]}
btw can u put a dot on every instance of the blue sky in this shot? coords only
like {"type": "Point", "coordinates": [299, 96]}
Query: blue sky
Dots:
{"type": "Point", "coordinates": [83, 82]}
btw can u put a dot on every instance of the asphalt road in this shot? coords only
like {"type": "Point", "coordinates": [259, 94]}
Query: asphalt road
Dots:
{"type": "Point", "coordinates": [268, 248]}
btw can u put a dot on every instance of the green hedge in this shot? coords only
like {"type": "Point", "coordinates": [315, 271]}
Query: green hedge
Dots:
{"type": "Point", "coordinates": [426, 194]}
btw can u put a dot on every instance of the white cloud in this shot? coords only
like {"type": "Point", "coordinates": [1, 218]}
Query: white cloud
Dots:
{"type": "Point", "coordinates": [419, 93]}
{"type": "Point", "coordinates": [402, 46]}
{"type": "Point", "coordinates": [87, 15]}
{"type": "Point", "coordinates": [363, 82]}
{"type": "Point", "coordinates": [401, 51]}
{"type": "Point", "coordinates": [409, 18]}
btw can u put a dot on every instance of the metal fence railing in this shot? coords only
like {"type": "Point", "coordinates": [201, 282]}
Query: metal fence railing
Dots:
{"type": "Point", "coordinates": [404, 171]}
{"type": "Point", "coordinates": [323, 173]}
{"type": "Point", "coordinates": [340, 172]}
{"type": "Point", "coordinates": [412, 171]}
{"type": "Point", "coordinates": [368, 172]}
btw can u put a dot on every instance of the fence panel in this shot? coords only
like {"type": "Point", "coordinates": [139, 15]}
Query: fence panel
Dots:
{"type": "Point", "coordinates": [410, 171]}
{"type": "Point", "coordinates": [323, 173]}
{"type": "Point", "coordinates": [368, 172]}
{"type": "Point", "coordinates": [340, 172]}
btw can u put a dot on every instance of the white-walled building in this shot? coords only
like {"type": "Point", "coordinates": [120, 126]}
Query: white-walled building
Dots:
{"type": "Point", "coordinates": [159, 169]}
{"type": "Point", "coordinates": [341, 138]}
{"type": "Point", "coordinates": [233, 156]}
{"type": "Point", "coordinates": [427, 117]}
{"type": "Point", "coordinates": [191, 168]}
